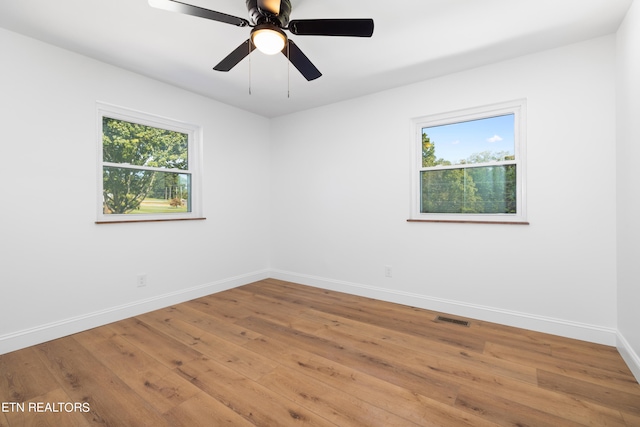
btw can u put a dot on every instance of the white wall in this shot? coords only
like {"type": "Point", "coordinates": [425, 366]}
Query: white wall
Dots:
{"type": "Point", "coordinates": [60, 272]}
{"type": "Point", "coordinates": [340, 180]}
{"type": "Point", "coordinates": [628, 200]}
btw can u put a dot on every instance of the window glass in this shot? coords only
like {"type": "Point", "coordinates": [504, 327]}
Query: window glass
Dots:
{"type": "Point", "coordinates": [131, 191]}
{"type": "Point", "coordinates": [475, 141]}
{"type": "Point", "coordinates": [490, 189]}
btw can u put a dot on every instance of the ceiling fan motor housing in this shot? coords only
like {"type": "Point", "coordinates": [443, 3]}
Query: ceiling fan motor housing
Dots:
{"type": "Point", "coordinates": [258, 16]}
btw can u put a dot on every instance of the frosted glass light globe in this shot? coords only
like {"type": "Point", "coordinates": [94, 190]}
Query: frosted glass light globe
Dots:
{"type": "Point", "coordinates": [268, 41]}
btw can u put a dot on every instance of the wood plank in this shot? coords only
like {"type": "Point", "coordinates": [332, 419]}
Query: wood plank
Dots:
{"type": "Point", "coordinates": [405, 403]}
{"type": "Point", "coordinates": [220, 304]}
{"type": "Point", "coordinates": [23, 376]}
{"type": "Point", "coordinates": [531, 341]}
{"type": "Point", "coordinates": [155, 383]}
{"type": "Point", "coordinates": [282, 312]}
{"type": "Point", "coordinates": [631, 420]}
{"type": "Point", "coordinates": [584, 390]}
{"type": "Point", "coordinates": [506, 412]}
{"type": "Point", "coordinates": [85, 379]}
{"type": "Point", "coordinates": [611, 375]}
{"type": "Point", "coordinates": [335, 405]}
{"type": "Point", "coordinates": [437, 368]}
{"type": "Point", "coordinates": [445, 354]}
{"type": "Point", "coordinates": [252, 401]}
{"type": "Point", "coordinates": [163, 348]}
{"type": "Point", "coordinates": [422, 382]}
{"type": "Point", "coordinates": [245, 362]}
{"type": "Point", "coordinates": [202, 410]}
{"type": "Point", "coordinates": [464, 370]}
{"type": "Point", "coordinates": [548, 401]}
{"type": "Point", "coordinates": [212, 323]}
{"type": "Point", "coordinates": [600, 357]}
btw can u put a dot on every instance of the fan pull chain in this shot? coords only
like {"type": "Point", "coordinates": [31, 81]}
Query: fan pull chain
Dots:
{"type": "Point", "coordinates": [249, 55]}
{"type": "Point", "coordinates": [288, 72]}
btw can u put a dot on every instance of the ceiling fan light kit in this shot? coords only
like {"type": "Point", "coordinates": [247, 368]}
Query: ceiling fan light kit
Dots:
{"type": "Point", "coordinates": [268, 39]}
{"type": "Point", "coordinates": [269, 19]}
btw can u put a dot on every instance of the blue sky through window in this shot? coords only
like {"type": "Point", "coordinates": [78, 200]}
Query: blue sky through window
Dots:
{"type": "Point", "coordinates": [458, 141]}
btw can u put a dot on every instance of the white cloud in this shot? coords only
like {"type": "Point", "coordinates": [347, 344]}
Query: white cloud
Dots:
{"type": "Point", "coordinates": [456, 142]}
{"type": "Point", "coordinates": [494, 138]}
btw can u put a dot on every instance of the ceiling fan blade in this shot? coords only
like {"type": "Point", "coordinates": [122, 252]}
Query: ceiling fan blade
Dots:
{"type": "Point", "coordinates": [300, 61]}
{"type": "Point", "coordinates": [332, 27]}
{"type": "Point", "coordinates": [235, 57]}
{"type": "Point", "coordinates": [176, 6]}
{"type": "Point", "coordinates": [272, 6]}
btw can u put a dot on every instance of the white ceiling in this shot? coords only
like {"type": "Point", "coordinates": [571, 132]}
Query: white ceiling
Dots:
{"type": "Point", "coordinates": [413, 40]}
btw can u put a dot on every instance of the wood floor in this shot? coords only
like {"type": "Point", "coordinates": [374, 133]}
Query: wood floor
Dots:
{"type": "Point", "coordinates": [274, 353]}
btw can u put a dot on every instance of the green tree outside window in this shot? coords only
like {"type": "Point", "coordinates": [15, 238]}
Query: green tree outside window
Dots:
{"type": "Point", "coordinates": [145, 169]}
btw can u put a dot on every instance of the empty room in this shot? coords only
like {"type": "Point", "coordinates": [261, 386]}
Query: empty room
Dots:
{"type": "Point", "coordinates": [292, 212]}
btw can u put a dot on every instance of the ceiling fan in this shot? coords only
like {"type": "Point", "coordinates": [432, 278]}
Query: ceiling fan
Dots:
{"type": "Point", "coordinates": [269, 20]}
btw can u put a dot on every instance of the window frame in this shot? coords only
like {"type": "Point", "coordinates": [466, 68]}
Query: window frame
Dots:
{"type": "Point", "coordinates": [515, 107]}
{"type": "Point", "coordinates": [194, 150]}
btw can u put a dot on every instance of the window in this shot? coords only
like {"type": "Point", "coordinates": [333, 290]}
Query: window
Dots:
{"type": "Point", "coordinates": [148, 167]}
{"type": "Point", "coordinates": [469, 165]}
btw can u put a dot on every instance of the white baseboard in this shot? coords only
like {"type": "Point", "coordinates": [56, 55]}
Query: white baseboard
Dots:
{"type": "Point", "coordinates": [608, 336]}
{"type": "Point", "coordinates": [576, 330]}
{"type": "Point", "coordinates": [27, 337]}
{"type": "Point", "coordinates": [631, 358]}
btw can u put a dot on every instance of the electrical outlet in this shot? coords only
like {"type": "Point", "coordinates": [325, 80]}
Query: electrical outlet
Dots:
{"type": "Point", "coordinates": [388, 271]}
{"type": "Point", "coordinates": [141, 280]}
